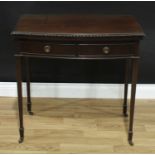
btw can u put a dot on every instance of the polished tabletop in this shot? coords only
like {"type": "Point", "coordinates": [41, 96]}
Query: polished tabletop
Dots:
{"type": "Point", "coordinates": [78, 25]}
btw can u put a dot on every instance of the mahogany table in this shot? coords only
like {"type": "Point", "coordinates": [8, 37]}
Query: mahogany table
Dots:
{"type": "Point", "coordinates": [86, 37]}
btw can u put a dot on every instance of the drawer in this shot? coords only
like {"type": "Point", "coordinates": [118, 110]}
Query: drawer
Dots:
{"type": "Point", "coordinates": [46, 48]}
{"type": "Point", "coordinates": [108, 49]}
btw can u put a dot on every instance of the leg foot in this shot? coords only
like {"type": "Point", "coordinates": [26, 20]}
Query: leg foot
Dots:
{"type": "Point", "coordinates": [130, 135]}
{"type": "Point", "coordinates": [21, 132]}
{"type": "Point", "coordinates": [125, 115]}
{"type": "Point", "coordinates": [21, 139]}
{"type": "Point", "coordinates": [29, 108]}
{"type": "Point", "coordinates": [131, 142]}
{"type": "Point", "coordinates": [30, 113]}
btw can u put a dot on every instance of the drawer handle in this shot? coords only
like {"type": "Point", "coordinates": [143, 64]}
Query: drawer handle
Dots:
{"type": "Point", "coordinates": [106, 50]}
{"type": "Point", "coordinates": [47, 48]}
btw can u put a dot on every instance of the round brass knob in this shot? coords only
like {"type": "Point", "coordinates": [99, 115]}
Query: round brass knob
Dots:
{"type": "Point", "coordinates": [106, 50]}
{"type": "Point", "coordinates": [47, 48]}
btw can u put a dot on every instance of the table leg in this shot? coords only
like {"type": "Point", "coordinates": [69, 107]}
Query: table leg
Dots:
{"type": "Point", "coordinates": [29, 103]}
{"type": "Point", "coordinates": [19, 91]}
{"type": "Point", "coordinates": [125, 105]}
{"type": "Point", "coordinates": [132, 101]}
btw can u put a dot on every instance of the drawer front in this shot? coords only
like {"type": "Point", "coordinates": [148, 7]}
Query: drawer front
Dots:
{"type": "Point", "coordinates": [108, 49]}
{"type": "Point", "coordinates": [47, 48]}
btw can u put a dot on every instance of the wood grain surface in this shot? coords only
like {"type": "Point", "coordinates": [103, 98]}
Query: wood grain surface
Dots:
{"type": "Point", "coordinates": [76, 126]}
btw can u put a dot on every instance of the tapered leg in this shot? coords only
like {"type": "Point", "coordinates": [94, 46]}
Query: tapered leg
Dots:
{"type": "Point", "coordinates": [125, 106]}
{"type": "Point", "coordinates": [29, 104]}
{"type": "Point", "coordinates": [132, 101]}
{"type": "Point", "coordinates": [19, 91]}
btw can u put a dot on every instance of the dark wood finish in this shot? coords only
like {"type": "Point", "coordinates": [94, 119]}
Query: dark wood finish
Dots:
{"type": "Point", "coordinates": [19, 91]}
{"type": "Point", "coordinates": [49, 48]}
{"type": "Point", "coordinates": [84, 37]}
{"type": "Point", "coordinates": [60, 26]}
{"type": "Point", "coordinates": [29, 105]}
{"type": "Point", "coordinates": [132, 101]}
{"type": "Point", "coordinates": [125, 106]}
